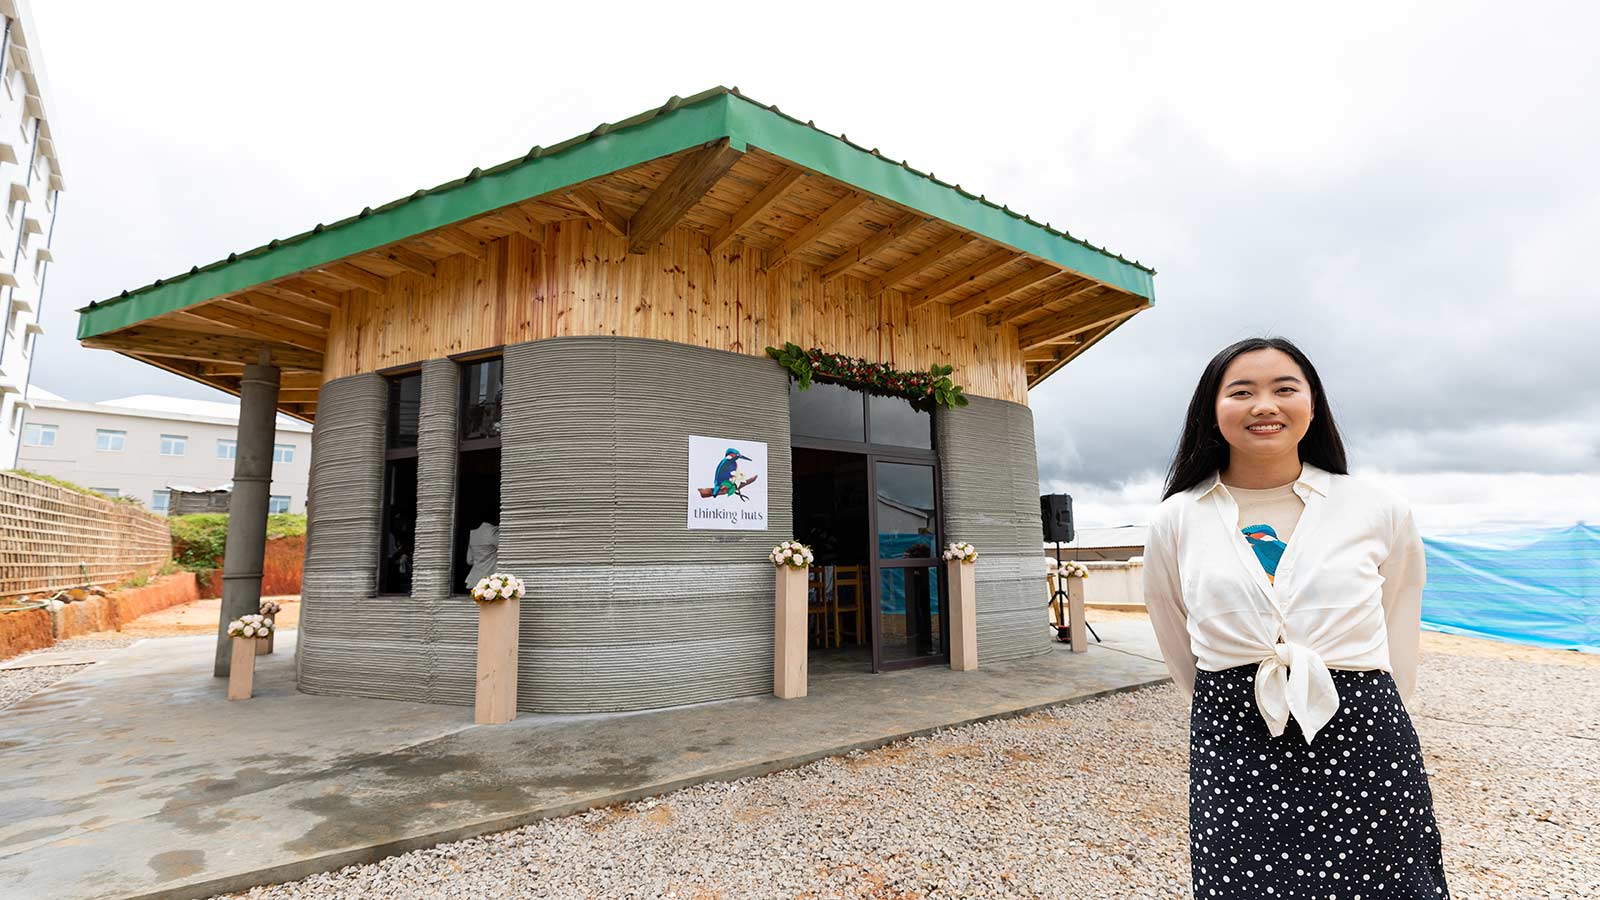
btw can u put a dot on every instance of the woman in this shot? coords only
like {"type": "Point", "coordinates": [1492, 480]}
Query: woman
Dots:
{"type": "Point", "coordinates": [1286, 596]}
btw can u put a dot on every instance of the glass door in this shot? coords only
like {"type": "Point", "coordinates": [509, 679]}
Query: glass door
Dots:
{"type": "Point", "coordinates": [908, 620]}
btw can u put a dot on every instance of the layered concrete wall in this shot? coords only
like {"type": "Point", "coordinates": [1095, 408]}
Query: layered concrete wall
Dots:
{"type": "Point", "coordinates": [990, 471]}
{"type": "Point", "coordinates": [626, 608]}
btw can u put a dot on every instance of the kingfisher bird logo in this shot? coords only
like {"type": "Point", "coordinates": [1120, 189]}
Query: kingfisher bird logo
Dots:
{"type": "Point", "coordinates": [728, 481]}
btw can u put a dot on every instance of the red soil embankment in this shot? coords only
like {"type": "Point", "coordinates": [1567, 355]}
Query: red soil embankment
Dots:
{"type": "Point", "coordinates": [23, 631]}
{"type": "Point", "coordinates": [280, 569]}
{"type": "Point", "coordinates": [36, 629]}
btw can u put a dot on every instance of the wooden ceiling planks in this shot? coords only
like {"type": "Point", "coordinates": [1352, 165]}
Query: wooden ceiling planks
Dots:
{"type": "Point", "coordinates": [816, 228]}
{"type": "Point", "coordinates": [988, 297]}
{"type": "Point", "coordinates": [947, 246]}
{"type": "Point", "coordinates": [868, 248]}
{"type": "Point", "coordinates": [688, 183]}
{"type": "Point", "coordinates": [755, 207]}
{"type": "Point", "coordinates": [962, 277]}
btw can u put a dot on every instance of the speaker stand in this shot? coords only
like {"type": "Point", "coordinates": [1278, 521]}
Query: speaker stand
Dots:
{"type": "Point", "coordinates": [1059, 598]}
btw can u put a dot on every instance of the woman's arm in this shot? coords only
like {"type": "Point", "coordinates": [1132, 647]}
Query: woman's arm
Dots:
{"type": "Point", "coordinates": [1404, 573]}
{"type": "Point", "coordinates": [1163, 598]}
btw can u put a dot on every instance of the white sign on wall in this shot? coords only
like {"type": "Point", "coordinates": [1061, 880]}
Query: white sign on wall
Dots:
{"type": "Point", "coordinates": [727, 484]}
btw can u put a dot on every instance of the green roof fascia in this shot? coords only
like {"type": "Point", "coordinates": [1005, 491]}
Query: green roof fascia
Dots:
{"type": "Point", "coordinates": [865, 169]}
{"type": "Point", "coordinates": [679, 125]}
{"type": "Point", "coordinates": [577, 161]}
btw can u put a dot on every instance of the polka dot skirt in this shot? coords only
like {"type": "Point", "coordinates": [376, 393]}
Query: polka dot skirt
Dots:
{"type": "Point", "coordinates": [1347, 817]}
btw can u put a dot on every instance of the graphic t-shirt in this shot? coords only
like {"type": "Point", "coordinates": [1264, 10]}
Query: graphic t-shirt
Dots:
{"type": "Point", "coordinates": [1267, 517]}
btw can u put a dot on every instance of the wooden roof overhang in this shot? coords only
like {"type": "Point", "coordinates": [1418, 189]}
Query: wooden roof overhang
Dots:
{"type": "Point", "coordinates": [718, 163]}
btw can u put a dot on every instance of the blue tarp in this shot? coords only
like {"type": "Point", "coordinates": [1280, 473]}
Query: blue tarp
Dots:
{"type": "Point", "coordinates": [1532, 586]}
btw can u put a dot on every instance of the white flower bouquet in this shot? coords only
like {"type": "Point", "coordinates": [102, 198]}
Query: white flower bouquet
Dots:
{"type": "Point", "coordinates": [961, 550]}
{"type": "Point", "coordinates": [496, 587]}
{"type": "Point", "coordinates": [1069, 568]}
{"type": "Point", "coordinates": [793, 554]}
{"type": "Point", "coordinates": [270, 608]}
{"type": "Point", "coordinates": [251, 627]}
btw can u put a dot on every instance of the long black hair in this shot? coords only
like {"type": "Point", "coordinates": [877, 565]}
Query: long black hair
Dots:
{"type": "Point", "coordinates": [1202, 451]}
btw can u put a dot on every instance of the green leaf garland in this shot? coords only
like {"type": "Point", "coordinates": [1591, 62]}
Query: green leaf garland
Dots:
{"type": "Point", "coordinates": [924, 389]}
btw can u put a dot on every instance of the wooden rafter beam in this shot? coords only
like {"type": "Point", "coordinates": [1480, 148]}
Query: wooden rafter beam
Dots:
{"type": "Point", "coordinates": [860, 253]}
{"type": "Point", "coordinates": [763, 201]}
{"type": "Point", "coordinates": [285, 309]}
{"type": "Point", "coordinates": [923, 260]}
{"type": "Point", "coordinates": [516, 220]}
{"type": "Point", "coordinates": [216, 311]}
{"type": "Point", "coordinates": [215, 348]}
{"type": "Point", "coordinates": [294, 290]}
{"type": "Point", "coordinates": [681, 190]}
{"type": "Point", "coordinates": [455, 240]}
{"type": "Point", "coordinates": [817, 227]}
{"type": "Point", "coordinates": [354, 277]}
{"type": "Point", "coordinates": [983, 300]}
{"type": "Point", "coordinates": [1077, 349]}
{"type": "Point", "coordinates": [596, 209]}
{"type": "Point", "coordinates": [1082, 317]}
{"type": "Point", "coordinates": [407, 258]}
{"type": "Point", "coordinates": [1054, 300]}
{"type": "Point", "coordinates": [961, 278]}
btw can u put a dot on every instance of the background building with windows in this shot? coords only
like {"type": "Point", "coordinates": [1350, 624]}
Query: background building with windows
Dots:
{"type": "Point", "coordinates": [30, 175]}
{"type": "Point", "coordinates": [145, 446]}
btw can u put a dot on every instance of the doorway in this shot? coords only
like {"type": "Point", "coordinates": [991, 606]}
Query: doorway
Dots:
{"type": "Point", "coordinates": [866, 500]}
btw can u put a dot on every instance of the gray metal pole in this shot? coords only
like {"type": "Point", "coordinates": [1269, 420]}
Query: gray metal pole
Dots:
{"type": "Point", "coordinates": [246, 549]}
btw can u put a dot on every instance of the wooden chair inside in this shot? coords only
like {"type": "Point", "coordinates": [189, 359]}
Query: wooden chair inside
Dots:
{"type": "Point", "coordinates": [817, 608]}
{"type": "Point", "coordinates": [848, 580]}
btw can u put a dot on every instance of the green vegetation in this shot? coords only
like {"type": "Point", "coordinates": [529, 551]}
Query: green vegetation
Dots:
{"type": "Point", "coordinates": [198, 540]}
{"type": "Point", "coordinates": [59, 482]}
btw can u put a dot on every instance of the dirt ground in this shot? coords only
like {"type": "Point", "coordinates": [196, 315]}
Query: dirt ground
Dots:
{"type": "Point", "coordinates": [200, 617]}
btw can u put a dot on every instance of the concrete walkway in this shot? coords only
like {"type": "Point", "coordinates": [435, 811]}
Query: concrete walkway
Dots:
{"type": "Point", "coordinates": [136, 778]}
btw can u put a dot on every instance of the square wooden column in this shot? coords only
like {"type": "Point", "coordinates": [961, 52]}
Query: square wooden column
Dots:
{"type": "Point", "coordinates": [962, 578]}
{"type": "Point", "coordinates": [789, 657]}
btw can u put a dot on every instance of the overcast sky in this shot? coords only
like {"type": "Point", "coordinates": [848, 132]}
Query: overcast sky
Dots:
{"type": "Point", "coordinates": [1408, 191]}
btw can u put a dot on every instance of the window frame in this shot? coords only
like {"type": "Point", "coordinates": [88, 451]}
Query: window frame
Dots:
{"type": "Point", "coordinates": [288, 504]}
{"type": "Point", "coordinates": [288, 456]}
{"type": "Point", "coordinates": [180, 441]}
{"type": "Point", "coordinates": [233, 448]}
{"type": "Point", "coordinates": [121, 438]}
{"type": "Point", "coordinates": [44, 428]}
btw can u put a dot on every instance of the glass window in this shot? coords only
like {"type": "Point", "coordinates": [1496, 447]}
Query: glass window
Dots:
{"type": "Point", "coordinates": [174, 444]}
{"type": "Point", "coordinates": [283, 453]}
{"type": "Point", "coordinates": [828, 411]}
{"type": "Point", "coordinates": [399, 522]}
{"type": "Point", "coordinates": [161, 502]}
{"type": "Point", "coordinates": [405, 401]}
{"type": "Point", "coordinates": [481, 387]}
{"type": "Point", "coordinates": [477, 527]}
{"type": "Point", "coordinates": [895, 421]}
{"type": "Point", "coordinates": [277, 503]}
{"type": "Point", "coordinates": [110, 441]}
{"type": "Point", "coordinates": [906, 518]}
{"type": "Point", "coordinates": [227, 449]}
{"type": "Point", "coordinates": [38, 435]}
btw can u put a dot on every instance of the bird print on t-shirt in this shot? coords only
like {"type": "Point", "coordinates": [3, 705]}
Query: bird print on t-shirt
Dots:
{"type": "Point", "coordinates": [1267, 546]}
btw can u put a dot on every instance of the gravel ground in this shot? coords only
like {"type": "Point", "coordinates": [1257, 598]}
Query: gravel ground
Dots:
{"type": "Point", "coordinates": [1087, 801]}
{"type": "Point", "coordinates": [18, 684]}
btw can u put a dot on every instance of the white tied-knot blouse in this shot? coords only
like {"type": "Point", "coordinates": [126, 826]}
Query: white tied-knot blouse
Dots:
{"type": "Point", "coordinates": [1347, 593]}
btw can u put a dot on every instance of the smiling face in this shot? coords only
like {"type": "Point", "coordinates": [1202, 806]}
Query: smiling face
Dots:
{"type": "Point", "coordinates": [1264, 388]}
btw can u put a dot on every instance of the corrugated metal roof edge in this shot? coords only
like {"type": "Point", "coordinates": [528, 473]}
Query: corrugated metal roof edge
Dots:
{"type": "Point", "coordinates": [537, 153]}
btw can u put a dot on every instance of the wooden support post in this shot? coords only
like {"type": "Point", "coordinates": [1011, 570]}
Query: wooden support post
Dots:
{"type": "Point", "coordinates": [264, 645]}
{"type": "Point", "coordinates": [963, 615]}
{"type": "Point", "coordinates": [789, 663]}
{"type": "Point", "coordinates": [242, 668]}
{"type": "Point", "coordinates": [1075, 630]}
{"type": "Point", "coordinates": [496, 702]}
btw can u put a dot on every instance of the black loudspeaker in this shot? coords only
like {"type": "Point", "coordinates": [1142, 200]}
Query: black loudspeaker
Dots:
{"type": "Point", "coordinates": [1056, 510]}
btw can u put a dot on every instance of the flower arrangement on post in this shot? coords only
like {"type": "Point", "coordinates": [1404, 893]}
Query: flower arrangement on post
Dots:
{"type": "Point", "coordinates": [790, 560]}
{"type": "Point", "coordinates": [495, 702]}
{"type": "Point", "coordinates": [268, 609]}
{"type": "Point", "coordinates": [961, 550]}
{"type": "Point", "coordinates": [1069, 568]}
{"type": "Point", "coordinates": [248, 633]}
{"type": "Point", "coordinates": [497, 587]}
{"type": "Point", "coordinates": [793, 554]}
{"type": "Point", "coordinates": [256, 626]}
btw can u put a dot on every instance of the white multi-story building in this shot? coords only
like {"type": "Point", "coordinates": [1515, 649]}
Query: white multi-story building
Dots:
{"type": "Point", "coordinates": [30, 176]}
{"type": "Point", "coordinates": [147, 445]}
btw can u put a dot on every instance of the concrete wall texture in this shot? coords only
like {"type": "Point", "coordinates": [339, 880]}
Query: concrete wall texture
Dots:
{"type": "Point", "coordinates": [990, 471]}
{"type": "Point", "coordinates": [626, 608]}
